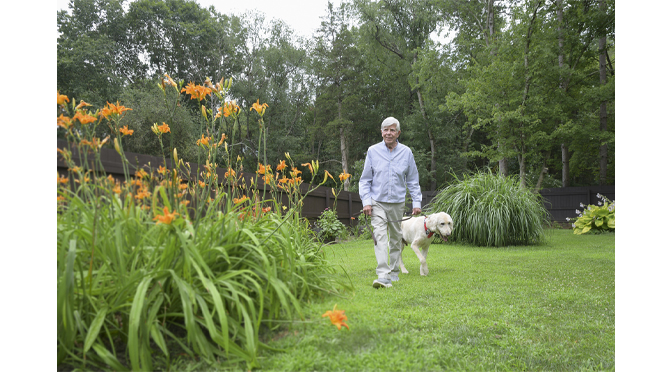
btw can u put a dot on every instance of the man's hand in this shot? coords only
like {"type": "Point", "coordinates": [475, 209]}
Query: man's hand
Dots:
{"type": "Point", "coordinates": [367, 210]}
{"type": "Point", "coordinates": [417, 211]}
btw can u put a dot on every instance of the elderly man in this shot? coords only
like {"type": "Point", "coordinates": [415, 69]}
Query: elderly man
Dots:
{"type": "Point", "coordinates": [389, 169]}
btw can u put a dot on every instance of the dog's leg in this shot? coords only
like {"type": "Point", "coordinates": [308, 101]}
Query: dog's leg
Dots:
{"type": "Point", "coordinates": [401, 262]}
{"type": "Point", "coordinates": [423, 261]}
{"type": "Point", "coordinates": [424, 255]}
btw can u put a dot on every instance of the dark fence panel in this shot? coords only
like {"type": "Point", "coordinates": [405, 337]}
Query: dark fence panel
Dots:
{"type": "Point", "coordinates": [563, 202]}
{"type": "Point", "coordinates": [560, 202]}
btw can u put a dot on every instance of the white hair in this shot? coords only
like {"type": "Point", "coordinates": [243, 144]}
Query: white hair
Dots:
{"type": "Point", "coordinates": [389, 121]}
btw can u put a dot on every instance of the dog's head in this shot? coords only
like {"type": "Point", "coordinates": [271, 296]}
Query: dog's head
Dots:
{"type": "Point", "coordinates": [440, 223]}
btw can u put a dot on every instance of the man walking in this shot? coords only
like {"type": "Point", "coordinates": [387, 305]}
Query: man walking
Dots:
{"type": "Point", "coordinates": [389, 169]}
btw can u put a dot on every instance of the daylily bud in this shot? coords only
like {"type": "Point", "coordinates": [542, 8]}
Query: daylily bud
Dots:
{"type": "Point", "coordinates": [116, 146]}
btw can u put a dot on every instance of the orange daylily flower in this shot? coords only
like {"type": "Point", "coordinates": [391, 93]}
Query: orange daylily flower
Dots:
{"type": "Point", "coordinates": [167, 217]}
{"type": "Point", "coordinates": [112, 109]}
{"type": "Point", "coordinates": [62, 179]}
{"type": "Point", "coordinates": [196, 91]}
{"type": "Point", "coordinates": [310, 166]}
{"type": "Point", "coordinates": [261, 109]}
{"type": "Point", "coordinates": [82, 104]}
{"type": "Point", "coordinates": [337, 318]}
{"type": "Point", "coordinates": [143, 193]}
{"type": "Point", "coordinates": [344, 176]}
{"type": "Point", "coordinates": [205, 141]}
{"type": "Point", "coordinates": [230, 173]}
{"type": "Point", "coordinates": [237, 201]}
{"type": "Point", "coordinates": [163, 128]}
{"type": "Point", "coordinates": [61, 99]}
{"type": "Point", "coordinates": [263, 169]}
{"type": "Point", "coordinates": [84, 118]}
{"type": "Point", "coordinates": [63, 122]}
{"type": "Point", "coordinates": [281, 166]}
{"type": "Point", "coordinates": [221, 140]}
{"type": "Point", "coordinates": [125, 131]}
{"type": "Point", "coordinates": [170, 80]}
{"type": "Point", "coordinates": [228, 109]}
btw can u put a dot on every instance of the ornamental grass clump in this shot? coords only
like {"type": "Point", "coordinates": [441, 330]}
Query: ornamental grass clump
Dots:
{"type": "Point", "coordinates": [172, 260]}
{"type": "Point", "coordinates": [492, 211]}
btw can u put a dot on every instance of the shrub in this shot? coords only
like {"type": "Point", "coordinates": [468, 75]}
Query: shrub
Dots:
{"type": "Point", "coordinates": [329, 226]}
{"type": "Point", "coordinates": [596, 219]}
{"type": "Point", "coordinates": [490, 210]}
{"type": "Point", "coordinates": [170, 261]}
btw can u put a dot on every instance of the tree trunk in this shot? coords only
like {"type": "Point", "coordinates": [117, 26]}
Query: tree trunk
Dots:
{"type": "Point", "coordinates": [604, 149]}
{"type": "Point", "coordinates": [561, 61]}
{"type": "Point", "coordinates": [565, 165]}
{"type": "Point", "coordinates": [543, 171]}
{"type": "Point", "coordinates": [344, 146]}
{"type": "Point", "coordinates": [432, 165]}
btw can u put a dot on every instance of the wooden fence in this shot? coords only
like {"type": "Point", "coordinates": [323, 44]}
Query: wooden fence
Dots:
{"type": "Point", "coordinates": [563, 202]}
{"type": "Point", "coordinates": [560, 202]}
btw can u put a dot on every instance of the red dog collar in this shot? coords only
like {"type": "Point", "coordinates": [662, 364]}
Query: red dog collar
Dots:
{"type": "Point", "coordinates": [429, 233]}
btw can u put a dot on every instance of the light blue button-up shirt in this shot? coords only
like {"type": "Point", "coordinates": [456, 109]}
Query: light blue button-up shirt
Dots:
{"type": "Point", "coordinates": [387, 174]}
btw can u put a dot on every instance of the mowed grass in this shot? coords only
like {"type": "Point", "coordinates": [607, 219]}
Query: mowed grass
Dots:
{"type": "Point", "coordinates": [539, 308]}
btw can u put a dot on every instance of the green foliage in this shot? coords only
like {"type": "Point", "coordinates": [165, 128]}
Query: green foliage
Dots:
{"type": "Point", "coordinates": [171, 261]}
{"type": "Point", "coordinates": [596, 219]}
{"type": "Point", "coordinates": [493, 211]}
{"type": "Point", "coordinates": [329, 225]}
{"type": "Point", "coordinates": [362, 229]}
{"type": "Point", "coordinates": [495, 92]}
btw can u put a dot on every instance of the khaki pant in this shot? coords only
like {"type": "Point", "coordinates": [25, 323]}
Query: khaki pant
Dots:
{"type": "Point", "coordinates": [390, 247]}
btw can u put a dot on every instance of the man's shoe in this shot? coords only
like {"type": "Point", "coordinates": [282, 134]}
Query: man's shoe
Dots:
{"type": "Point", "coordinates": [382, 283]}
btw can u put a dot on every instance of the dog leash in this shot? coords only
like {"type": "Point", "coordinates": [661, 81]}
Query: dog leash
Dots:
{"type": "Point", "coordinates": [368, 225]}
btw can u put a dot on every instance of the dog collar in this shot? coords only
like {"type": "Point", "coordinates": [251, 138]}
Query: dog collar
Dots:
{"type": "Point", "coordinates": [429, 233]}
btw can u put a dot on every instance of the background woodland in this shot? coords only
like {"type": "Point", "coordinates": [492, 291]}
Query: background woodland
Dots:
{"type": "Point", "coordinates": [526, 88]}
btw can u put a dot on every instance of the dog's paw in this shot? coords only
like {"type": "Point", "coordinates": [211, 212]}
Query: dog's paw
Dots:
{"type": "Point", "coordinates": [424, 270]}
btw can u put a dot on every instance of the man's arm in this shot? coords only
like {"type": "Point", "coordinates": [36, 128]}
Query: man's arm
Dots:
{"type": "Point", "coordinates": [413, 185]}
{"type": "Point", "coordinates": [365, 185]}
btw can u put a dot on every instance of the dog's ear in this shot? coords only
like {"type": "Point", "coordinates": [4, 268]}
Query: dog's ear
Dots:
{"type": "Point", "coordinates": [431, 222]}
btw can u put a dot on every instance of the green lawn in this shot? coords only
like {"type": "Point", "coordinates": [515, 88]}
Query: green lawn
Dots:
{"type": "Point", "coordinates": [539, 308]}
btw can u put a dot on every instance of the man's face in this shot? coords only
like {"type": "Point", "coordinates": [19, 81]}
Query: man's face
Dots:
{"type": "Point", "coordinates": [390, 134]}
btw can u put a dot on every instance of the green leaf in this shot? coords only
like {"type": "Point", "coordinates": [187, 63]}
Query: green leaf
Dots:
{"type": "Point", "coordinates": [135, 321]}
{"type": "Point", "coordinates": [94, 328]}
{"type": "Point", "coordinates": [108, 357]}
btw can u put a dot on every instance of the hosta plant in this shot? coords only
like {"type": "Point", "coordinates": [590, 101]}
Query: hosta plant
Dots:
{"type": "Point", "coordinates": [596, 218]}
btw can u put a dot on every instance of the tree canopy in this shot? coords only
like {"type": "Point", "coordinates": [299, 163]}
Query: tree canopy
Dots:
{"type": "Point", "coordinates": [523, 87]}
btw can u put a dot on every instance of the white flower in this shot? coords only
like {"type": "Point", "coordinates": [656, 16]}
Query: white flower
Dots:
{"type": "Point", "coordinates": [599, 203]}
{"type": "Point", "coordinates": [573, 226]}
{"type": "Point", "coordinates": [598, 195]}
{"type": "Point", "coordinates": [578, 212]}
{"type": "Point", "coordinates": [581, 205]}
{"type": "Point", "coordinates": [568, 219]}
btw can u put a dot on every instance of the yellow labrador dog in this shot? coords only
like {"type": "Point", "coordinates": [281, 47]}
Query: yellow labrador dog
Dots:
{"type": "Point", "coordinates": [419, 232]}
